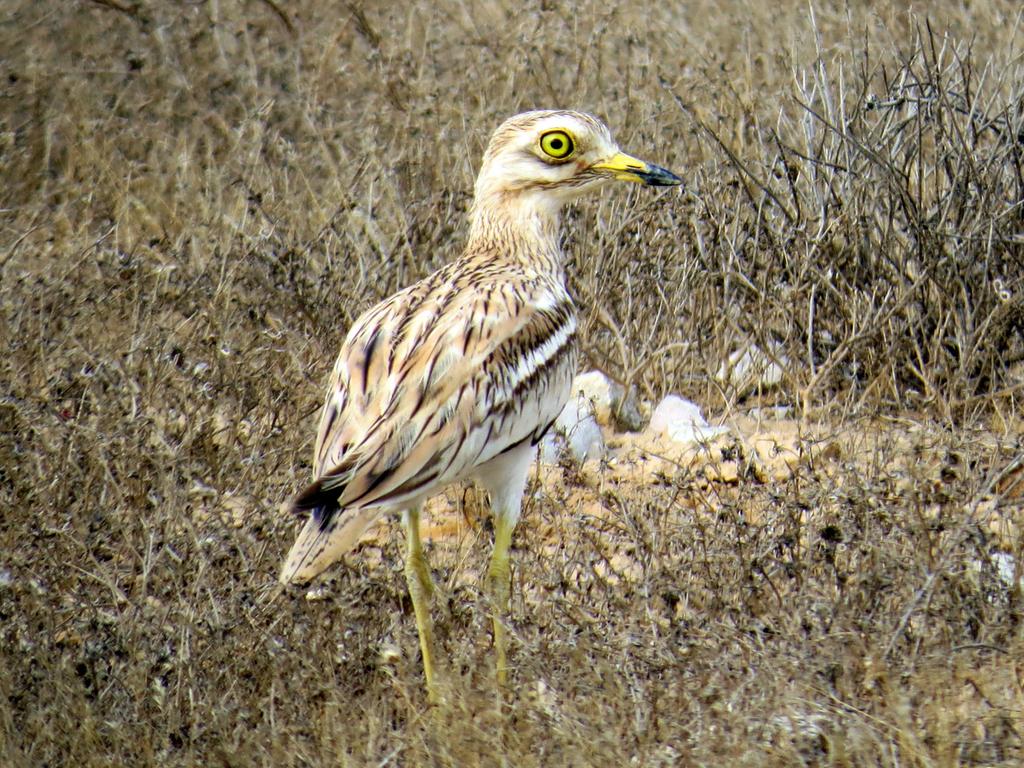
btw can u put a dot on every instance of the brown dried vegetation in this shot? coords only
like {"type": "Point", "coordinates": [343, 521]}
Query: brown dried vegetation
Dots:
{"type": "Point", "coordinates": [198, 198]}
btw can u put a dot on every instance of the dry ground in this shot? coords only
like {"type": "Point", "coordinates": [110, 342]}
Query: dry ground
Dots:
{"type": "Point", "coordinates": [196, 200]}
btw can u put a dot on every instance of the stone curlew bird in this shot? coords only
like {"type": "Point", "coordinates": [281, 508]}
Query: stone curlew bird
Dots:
{"type": "Point", "coordinates": [459, 375]}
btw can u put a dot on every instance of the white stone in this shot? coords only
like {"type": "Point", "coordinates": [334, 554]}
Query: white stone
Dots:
{"type": "Point", "coordinates": [602, 393]}
{"type": "Point", "coordinates": [750, 368]}
{"type": "Point", "coordinates": [771, 413]}
{"type": "Point", "coordinates": [318, 593]}
{"type": "Point", "coordinates": [576, 432]}
{"type": "Point", "coordinates": [682, 422]}
{"type": "Point", "coordinates": [597, 388]}
{"type": "Point", "coordinates": [1005, 567]}
{"type": "Point", "coordinates": [613, 406]}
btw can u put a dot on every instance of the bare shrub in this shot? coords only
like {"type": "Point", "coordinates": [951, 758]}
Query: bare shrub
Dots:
{"type": "Point", "coordinates": [876, 236]}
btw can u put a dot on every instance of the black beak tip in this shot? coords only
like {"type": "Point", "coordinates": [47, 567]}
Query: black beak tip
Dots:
{"type": "Point", "coordinates": [660, 177]}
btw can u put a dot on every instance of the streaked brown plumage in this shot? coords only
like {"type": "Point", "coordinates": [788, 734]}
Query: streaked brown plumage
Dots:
{"type": "Point", "coordinates": [460, 375]}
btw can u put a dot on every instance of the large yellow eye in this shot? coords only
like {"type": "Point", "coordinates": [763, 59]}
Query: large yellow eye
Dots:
{"type": "Point", "coordinates": [557, 144]}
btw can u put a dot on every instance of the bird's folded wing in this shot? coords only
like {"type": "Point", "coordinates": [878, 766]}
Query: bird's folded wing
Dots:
{"type": "Point", "coordinates": [414, 399]}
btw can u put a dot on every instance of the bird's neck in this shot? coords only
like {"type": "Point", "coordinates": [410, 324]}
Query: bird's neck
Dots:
{"type": "Point", "coordinates": [518, 228]}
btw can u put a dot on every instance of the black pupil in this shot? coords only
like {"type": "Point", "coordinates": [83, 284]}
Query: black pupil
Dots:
{"type": "Point", "coordinates": [556, 144]}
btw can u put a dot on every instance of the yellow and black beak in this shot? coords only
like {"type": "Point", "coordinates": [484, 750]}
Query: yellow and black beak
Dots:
{"type": "Point", "coordinates": [624, 167]}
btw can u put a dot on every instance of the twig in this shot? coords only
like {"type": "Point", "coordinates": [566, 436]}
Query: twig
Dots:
{"type": "Point", "coordinates": [737, 163]}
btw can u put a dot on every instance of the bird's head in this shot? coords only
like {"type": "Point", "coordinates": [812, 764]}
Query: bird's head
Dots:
{"type": "Point", "coordinates": [546, 158]}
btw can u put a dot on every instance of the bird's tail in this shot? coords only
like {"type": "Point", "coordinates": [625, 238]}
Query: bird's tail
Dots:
{"type": "Point", "coordinates": [323, 540]}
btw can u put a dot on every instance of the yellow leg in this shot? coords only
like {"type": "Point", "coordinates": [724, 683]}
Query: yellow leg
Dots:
{"type": "Point", "coordinates": [421, 589]}
{"type": "Point", "coordinates": [504, 477]}
{"type": "Point", "coordinates": [499, 585]}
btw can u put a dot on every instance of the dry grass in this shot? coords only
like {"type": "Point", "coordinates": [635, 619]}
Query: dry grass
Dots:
{"type": "Point", "coordinates": [198, 198]}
